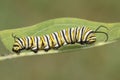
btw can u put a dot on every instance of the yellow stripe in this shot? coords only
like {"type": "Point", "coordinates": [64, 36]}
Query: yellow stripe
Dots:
{"type": "Point", "coordinates": [33, 41]}
{"type": "Point", "coordinates": [24, 41]}
{"type": "Point", "coordinates": [40, 44]}
{"type": "Point", "coordinates": [16, 43]}
{"type": "Point", "coordinates": [60, 38]}
{"type": "Point", "coordinates": [90, 35]}
{"type": "Point", "coordinates": [52, 40]}
{"type": "Point", "coordinates": [78, 34]}
{"type": "Point", "coordinates": [73, 35]}
{"type": "Point", "coordinates": [43, 41]}
{"type": "Point", "coordinates": [84, 32]}
{"type": "Point", "coordinates": [30, 42]}
{"type": "Point", "coordinates": [68, 39]}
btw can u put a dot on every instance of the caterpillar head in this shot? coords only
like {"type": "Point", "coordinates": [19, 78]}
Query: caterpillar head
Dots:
{"type": "Point", "coordinates": [16, 48]}
{"type": "Point", "coordinates": [91, 38]}
{"type": "Point", "coordinates": [17, 45]}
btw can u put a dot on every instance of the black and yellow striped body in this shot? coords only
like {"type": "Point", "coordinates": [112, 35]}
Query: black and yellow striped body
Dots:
{"type": "Point", "coordinates": [81, 35]}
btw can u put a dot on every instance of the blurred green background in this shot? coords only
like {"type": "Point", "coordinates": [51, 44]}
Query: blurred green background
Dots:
{"type": "Point", "coordinates": [100, 63]}
{"type": "Point", "coordinates": [20, 13]}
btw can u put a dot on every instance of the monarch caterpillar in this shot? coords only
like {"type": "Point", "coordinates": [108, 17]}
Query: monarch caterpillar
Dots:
{"type": "Point", "coordinates": [81, 35]}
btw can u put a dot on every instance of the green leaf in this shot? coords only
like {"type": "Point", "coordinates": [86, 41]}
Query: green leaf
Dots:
{"type": "Point", "coordinates": [53, 25]}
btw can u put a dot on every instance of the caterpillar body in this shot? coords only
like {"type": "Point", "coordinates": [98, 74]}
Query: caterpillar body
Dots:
{"type": "Point", "coordinates": [81, 35]}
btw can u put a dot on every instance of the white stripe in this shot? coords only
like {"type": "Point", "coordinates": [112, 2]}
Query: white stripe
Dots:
{"type": "Point", "coordinates": [63, 38]}
{"type": "Point", "coordinates": [64, 31]}
{"type": "Point", "coordinates": [35, 41]}
{"type": "Point", "coordinates": [57, 37]}
{"type": "Point", "coordinates": [19, 43]}
{"type": "Point", "coordinates": [29, 42]}
{"type": "Point", "coordinates": [55, 40]}
{"type": "Point", "coordinates": [80, 36]}
{"type": "Point", "coordinates": [46, 46]}
{"type": "Point", "coordinates": [22, 42]}
{"type": "Point", "coordinates": [34, 47]}
{"type": "Point", "coordinates": [76, 29]}
{"type": "Point", "coordinates": [26, 42]}
{"type": "Point", "coordinates": [73, 38]}
{"type": "Point", "coordinates": [39, 45]}
{"type": "Point", "coordinates": [93, 37]}
{"type": "Point", "coordinates": [50, 43]}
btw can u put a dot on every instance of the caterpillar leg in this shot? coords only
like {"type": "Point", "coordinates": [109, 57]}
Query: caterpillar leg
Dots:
{"type": "Point", "coordinates": [56, 48]}
{"type": "Point", "coordinates": [18, 53]}
{"type": "Point", "coordinates": [46, 50]}
{"type": "Point", "coordinates": [35, 50]}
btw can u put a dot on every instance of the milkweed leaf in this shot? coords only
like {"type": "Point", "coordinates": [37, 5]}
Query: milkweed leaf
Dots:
{"type": "Point", "coordinates": [53, 25]}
